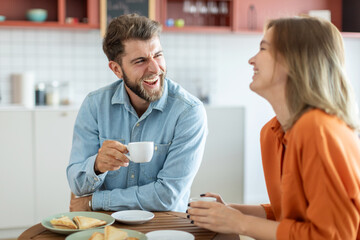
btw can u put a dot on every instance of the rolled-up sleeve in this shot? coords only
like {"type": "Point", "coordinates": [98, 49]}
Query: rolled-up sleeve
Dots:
{"type": "Point", "coordinates": [80, 171]}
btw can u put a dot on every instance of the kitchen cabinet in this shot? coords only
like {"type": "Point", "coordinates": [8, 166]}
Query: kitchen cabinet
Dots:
{"type": "Point", "coordinates": [53, 137]}
{"type": "Point", "coordinates": [255, 13]}
{"type": "Point", "coordinates": [245, 16]}
{"type": "Point", "coordinates": [222, 167]}
{"type": "Point", "coordinates": [35, 149]}
{"type": "Point", "coordinates": [198, 16]}
{"type": "Point", "coordinates": [83, 14]}
{"type": "Point", "coordinates": [17, 170]}
{"type": "Point", "coordinates": [351, 15]}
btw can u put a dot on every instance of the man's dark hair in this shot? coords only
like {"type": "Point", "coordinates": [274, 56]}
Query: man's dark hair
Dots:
{"type": "Point", "coordinates": [125, 27]}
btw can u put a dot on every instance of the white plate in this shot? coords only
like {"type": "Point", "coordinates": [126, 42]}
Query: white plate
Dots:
{"type": "Point", "coordinates": [169, 234]}
{"type": "Point", "coordinates": [102, 216]}
{"type": "Point", "coordinates": [87, 234]}
{"type": "Point", "coordinates": [133, 216]}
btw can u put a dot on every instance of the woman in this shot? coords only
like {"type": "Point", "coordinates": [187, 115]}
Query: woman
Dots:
{"type": "Point", "coordinates": [310, 150]}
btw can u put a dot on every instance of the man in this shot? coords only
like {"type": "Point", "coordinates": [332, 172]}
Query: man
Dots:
{"type": "Point", "coordinates": [142, 106]}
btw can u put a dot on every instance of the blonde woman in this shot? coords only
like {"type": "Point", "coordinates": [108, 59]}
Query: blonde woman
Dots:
{"type": "Point", "coordinates": [310, 150]}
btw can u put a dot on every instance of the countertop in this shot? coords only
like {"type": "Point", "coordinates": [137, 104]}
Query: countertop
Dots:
{"type": "Point", "coordinates": [15, 107]}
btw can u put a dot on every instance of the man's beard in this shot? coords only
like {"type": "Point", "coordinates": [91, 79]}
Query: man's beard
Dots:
{"type": "Point", "coordinates": [140, 91]}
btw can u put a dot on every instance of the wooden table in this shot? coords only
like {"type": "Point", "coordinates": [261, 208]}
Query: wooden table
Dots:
{"type": "Point", "coordinates": [161, 221]}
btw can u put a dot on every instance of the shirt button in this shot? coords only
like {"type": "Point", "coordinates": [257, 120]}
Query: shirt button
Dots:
{"type": "Point", "coordinates": [155, 148]}
{"type": "Point", "coordinates": [95, 178]}
{"type": "Point", "coordinates": [132, 176]}
{"type": "Point", "coordinates": [138, 124]}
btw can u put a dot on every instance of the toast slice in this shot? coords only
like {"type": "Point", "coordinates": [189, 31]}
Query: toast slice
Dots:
{"type": "Point", "coordinates": [113, 233]}
{"type": "Point", "coordinates": [97, 236]}
{"type": "Point", "coordinates": [88, 222]}
{"type": "Point", "coordinates": [63, 222]}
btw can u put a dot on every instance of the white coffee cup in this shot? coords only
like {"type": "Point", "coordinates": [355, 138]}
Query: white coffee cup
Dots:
{"type": "Point", "coordinates": [140, 152]}
{"type": "Point", "coordinates": [205, 199]}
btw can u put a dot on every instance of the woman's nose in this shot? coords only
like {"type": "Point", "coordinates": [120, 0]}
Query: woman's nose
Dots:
{"type": "Point", "coordinates": [252, 60]}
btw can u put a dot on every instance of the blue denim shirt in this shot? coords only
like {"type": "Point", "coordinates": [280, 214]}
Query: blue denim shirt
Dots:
{"type": "Point", "coordinates": [176, 123]}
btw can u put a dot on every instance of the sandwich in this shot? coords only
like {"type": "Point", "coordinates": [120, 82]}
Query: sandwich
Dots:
{"type": "Point", "coordinates": [87, 222]}
{"type": "Point", "coordinates": [113, 233]}
{"type": "Point", "coordinates": [97, 236]}
{"type": "Point", "coordinates": [63, 222]}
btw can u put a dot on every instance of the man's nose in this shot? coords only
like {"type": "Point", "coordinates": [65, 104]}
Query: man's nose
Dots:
{"type": "Point", "coordinates": [153, 66]}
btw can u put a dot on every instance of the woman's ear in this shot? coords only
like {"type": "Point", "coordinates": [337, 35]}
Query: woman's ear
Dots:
{"type": "Point", "coordinates": [116, 68]}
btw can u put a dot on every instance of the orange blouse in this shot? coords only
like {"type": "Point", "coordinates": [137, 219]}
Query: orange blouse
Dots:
{"type": "Point", "coordinates": [312, 174]}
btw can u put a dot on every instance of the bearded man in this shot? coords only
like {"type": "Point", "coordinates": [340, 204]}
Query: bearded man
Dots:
{"type": "Point", "coordinates": [143, 105]}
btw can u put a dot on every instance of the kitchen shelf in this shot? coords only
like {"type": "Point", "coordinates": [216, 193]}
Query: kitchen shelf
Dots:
{"type": "Point", "coordinates": [351, 34]}
{"type": "Point", "coordinates": [265, 10]}
{"type": "Point", "coordinates": [47, 24]}
{"type": "Point", "coordinates": [83, 14]}
{"type": "Point", "coordinates": [197, 21]}
{"type": "Point", "coordinates": [242, 20]}
{"type": "Point", "coordinates": [196, 29]}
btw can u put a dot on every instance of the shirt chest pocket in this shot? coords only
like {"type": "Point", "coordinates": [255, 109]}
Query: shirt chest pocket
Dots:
{"type": "Point", "coordinates": [150, 170]}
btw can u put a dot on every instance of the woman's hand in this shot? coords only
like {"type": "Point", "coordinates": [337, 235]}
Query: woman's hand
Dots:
{"type": "Point", "coordinates": [215, 195]}
{"type": "Point", "coordinates": [215, 216]}
{"type": "Point", "coordinates": [222, 218]}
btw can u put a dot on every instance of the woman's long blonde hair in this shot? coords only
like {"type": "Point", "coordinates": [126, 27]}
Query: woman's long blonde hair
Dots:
{"type": "Point", "coordinates": [314, 54]}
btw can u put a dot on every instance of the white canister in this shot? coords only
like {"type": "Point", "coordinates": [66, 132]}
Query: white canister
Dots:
{"type": "Point", "coordinates": [23, 89]}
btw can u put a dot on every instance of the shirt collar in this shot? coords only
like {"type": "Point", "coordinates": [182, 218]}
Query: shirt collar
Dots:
{"type": "Point", "coordinates": [278, 131]}
{"type": "Point", "coordinates": [121, 97]}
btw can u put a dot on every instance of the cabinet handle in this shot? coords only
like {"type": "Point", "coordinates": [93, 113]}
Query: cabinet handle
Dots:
{"type": "Point", "coordinates": [64, 114]}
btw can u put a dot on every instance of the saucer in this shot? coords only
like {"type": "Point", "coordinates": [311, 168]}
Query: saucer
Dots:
{"type": "Point", "coordinates": [133, 216]}
{"type": "Point", "coordinates": [169, 234]}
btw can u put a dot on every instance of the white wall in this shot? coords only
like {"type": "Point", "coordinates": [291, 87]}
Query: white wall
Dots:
{"type": "Point", "coordinates": [352, 61]}
{"type": "Point", "coordinates": [215, 63]}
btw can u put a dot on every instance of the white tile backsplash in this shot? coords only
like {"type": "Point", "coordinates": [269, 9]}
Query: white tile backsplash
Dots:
{"type": "Point", "coordinates": [77, 57]}
{"type": "Point", "coordinates": [54, 55]}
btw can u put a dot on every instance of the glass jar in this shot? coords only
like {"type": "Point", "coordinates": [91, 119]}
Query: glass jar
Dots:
{"type": "Point", "coordinates": [64, 93]}
{"type": "Point", "coordinates": [40, 94]}
{"type": "Point", "coordinates": [53, 94]}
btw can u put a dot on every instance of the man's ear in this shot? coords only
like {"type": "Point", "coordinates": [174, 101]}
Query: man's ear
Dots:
{"type": "Point", "coordinates": [116, 68]}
